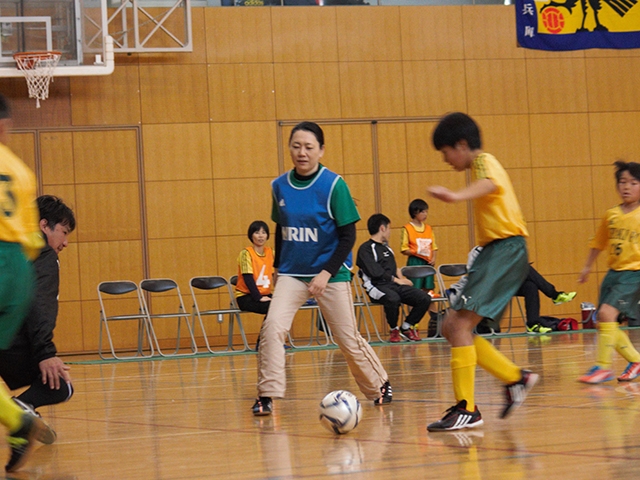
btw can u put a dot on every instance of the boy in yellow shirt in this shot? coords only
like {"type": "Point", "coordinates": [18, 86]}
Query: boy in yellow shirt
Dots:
{"type": "Point", "coordinates": [20, 242]}
{"type": "Point", "coordinates": [494, 277]}
{"type": "Point", "coordinates": [619, 233]}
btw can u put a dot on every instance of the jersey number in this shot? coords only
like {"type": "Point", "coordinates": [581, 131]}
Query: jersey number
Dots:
{"type": "Point", "coordinates": [263, 280]}
{"type": "Point", "coordinates": [7, 200]}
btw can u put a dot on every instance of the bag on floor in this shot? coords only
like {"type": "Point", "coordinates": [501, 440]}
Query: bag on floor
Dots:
{"type": "Point", "coordinates": [568, 324]}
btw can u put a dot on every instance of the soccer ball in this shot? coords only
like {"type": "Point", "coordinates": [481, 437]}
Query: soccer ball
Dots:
{"type": "Point", "coordinates": [340, 411]}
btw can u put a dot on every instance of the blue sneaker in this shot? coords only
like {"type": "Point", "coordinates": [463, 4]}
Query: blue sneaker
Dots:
{"type": "Point", "coordinates": [597, 375]}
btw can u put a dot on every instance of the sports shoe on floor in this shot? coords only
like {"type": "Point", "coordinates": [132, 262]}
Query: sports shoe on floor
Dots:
{"type": "Point", "coordinates": [394, 336]}
{"type": "Point", "coordinates": [412, 334]}
{"type": "Point", "coordinates": [518, 391]}
{"type": "Point", "coordinates": [564, 297]}
{"type": "Point", "coordinates": [21, 441]}
{"type": "Point", "coordinates": [632, 371]}
{"type": "Point", "coordinates": [49, 436]}
{"type": "Point", "coordinates": [262, 407]}
{"type": "Point", "coordinates": [537, 328]}
{"type": "Point", "coordinates": [597, 375]}
{"type": "Point", "coordinates": [457, 417]}
{"type": "Point", "coordinates": [386, 394]}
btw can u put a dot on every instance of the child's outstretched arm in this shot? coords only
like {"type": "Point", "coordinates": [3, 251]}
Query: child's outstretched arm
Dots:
{"type": "Point", "coordinates": [477, 189]}
{"type": "Point", "coordinates": [584, 274]}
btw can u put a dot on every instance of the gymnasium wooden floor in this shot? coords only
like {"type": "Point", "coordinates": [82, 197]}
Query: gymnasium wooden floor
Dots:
{"type": "Point", "coordinates": [191, 419]}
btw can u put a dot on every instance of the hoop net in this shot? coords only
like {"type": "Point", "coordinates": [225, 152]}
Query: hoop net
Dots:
{"type": "Point", "coordinates": [37, 68]}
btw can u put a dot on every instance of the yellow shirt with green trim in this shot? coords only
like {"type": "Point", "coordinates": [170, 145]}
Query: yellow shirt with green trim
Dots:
{"type": "Point", "coordinates": [619, 233]}
{"type": "Point", "coordinates": [498, 214]}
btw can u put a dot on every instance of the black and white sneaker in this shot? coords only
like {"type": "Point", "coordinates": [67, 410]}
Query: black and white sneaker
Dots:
{"type": "Point", "coordinates": [456, 418]}
{"type": "Point", "coordinates": [386, 394]}
{"type": "Point", "coordinates": [47, 437]}
{"type": "Point", "coordinates": [262, 407]}
{"type": "Point", "coordinates": [517, 392]}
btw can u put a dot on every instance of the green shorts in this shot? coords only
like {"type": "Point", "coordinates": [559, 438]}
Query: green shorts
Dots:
{"type": "Point", "coordinates": [495, 277]}
{"type": "Point", "coordinates": [16, 290]}
{"type": "Point", "coordinates": [426, 283]}
{"type": "Point", "coordinates": [621, 290]}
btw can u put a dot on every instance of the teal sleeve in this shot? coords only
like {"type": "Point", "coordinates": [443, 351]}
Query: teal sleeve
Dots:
{"type": "Point", "coordinates": [343, 208]}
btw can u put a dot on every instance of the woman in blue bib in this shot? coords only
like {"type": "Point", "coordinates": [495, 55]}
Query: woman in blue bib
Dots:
{"type": "Point", "coordinates": [315, 232]}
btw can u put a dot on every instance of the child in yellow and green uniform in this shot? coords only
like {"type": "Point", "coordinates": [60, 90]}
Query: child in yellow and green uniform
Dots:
{"type": "Point", "coordinates": [494, 277]}
{"type": "Point", "coordinates": [619, 233]}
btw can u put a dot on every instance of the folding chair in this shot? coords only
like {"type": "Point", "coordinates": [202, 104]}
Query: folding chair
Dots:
{"type": "Point", "coordinates": [212, 284]}
{"type": "Point", "coordinates": [155, 286]}
{"type": "Point", "coordinates": [424, 271]}
{"type": "Point", "coordinates": [121, 289]}
{"type": "Point", "coordinates": [452, 271]}
{"type": "Point", "coordinates": [363, 308]}
{"type": "Point", "coordinates": [317, 324]}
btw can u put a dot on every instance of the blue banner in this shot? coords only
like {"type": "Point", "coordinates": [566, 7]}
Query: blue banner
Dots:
{"type": "Point", "coordinates": [578, 24]}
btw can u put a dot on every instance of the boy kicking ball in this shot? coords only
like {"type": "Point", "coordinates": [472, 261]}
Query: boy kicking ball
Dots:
{"type": "Point", "coordinates": [619, 233]}
{"type": "Point", "coordinates": [494, 277]}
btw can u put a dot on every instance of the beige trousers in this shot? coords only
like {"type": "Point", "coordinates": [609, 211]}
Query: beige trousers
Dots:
{"type": "Point", "coordinates": [337, 309]}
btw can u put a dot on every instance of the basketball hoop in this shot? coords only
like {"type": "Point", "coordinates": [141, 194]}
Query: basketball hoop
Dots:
{"type": "Point", "coordinates": [38, 69]}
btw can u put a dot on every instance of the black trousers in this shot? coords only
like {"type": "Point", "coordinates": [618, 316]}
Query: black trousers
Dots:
{"type": "Point", "coordinates": [18, 370]}
{"type": "Point", "coordinates": [533, 284]}
{"type": "Point", "coordinates": [395, 295]}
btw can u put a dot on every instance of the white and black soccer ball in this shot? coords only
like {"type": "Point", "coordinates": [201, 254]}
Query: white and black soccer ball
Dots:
{"type": "Point", "coordinates": [340, 411]}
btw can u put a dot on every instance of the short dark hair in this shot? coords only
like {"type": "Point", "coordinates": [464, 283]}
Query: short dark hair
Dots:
{"type": "Point", "coordinates": [416, 206]}
{"type": "Point", "coordinates": [255, 227]}
{"type": "Point", "coordinates": [309, 127]}
{"type": "Point", "coordinates": [54, 211]}
{"type": "Point", "coordinates": [632, 167]}
{"type": "Point", "coordinates": [5, 108]}
{"type": "Point", "coordinates": [376, 221]}
{"type": "Point", "coordinates": [455, 127]}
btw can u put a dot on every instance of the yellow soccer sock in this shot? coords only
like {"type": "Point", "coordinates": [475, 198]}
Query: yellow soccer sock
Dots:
{"type": "Point", "coordinates": [606, 342]}
{"type": "Point", "coordinates": [10, 412]}
{"type": "Point", "coordinates": [625, 348]}
{"type": "Point", "coordinates": [494, 362]}
{"type": "Point", "coordinates": [463, 373]}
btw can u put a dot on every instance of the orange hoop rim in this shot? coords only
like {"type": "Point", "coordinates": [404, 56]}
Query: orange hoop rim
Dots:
{"type": "Point", "coordinates": [41, 55]}
{"type": "Point", "coordinates": [28, 60]}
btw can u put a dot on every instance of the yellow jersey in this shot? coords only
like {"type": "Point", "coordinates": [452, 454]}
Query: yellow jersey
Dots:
{"type": "Point", "coordinates": [619, 232]}
{"type": "Point", "coordinates": [19, 218]}
{"type": "Point", "coordinates": [498, 214]}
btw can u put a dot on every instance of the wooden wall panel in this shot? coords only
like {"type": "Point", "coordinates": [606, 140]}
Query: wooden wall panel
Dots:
{"type": "Point", "coordinates": [68, 333]}
{"type": "Point", "coordinates": [70, 273]}
{"type": "Point", "coordinates": [179, 209]}
{"type": "Point", "coordinates": [238, 35]}
{"type": "Point", "coordinates": [334, 155]}
{"type": "Point", "coordinates": [55, 111]}
{"type": "Point", "coordinates": [496, 87]}
{"type": "Point", "coordinates": [228, 248]}
{"type": "Point", "coordinates": [603, 189]}
{"type": "Point", "coordinates": [392, 147]}
{"type": "Point", "coordinates": [106, 261]}
{"type": "Point", "coordinates": [560, 140]}
{"type": "Point", "coordinates": [125, 334]}
{"type": "Point", "coordinates": [365, 89]}
{"type": "Point", "coordinates": [562, 246]}
{"type": "Point", "coordinates": [612, 84]}
{"type": "Point", "coordinates": [508, 138]}
{"type": "Point", "coordinates": [547, 83]}
{"type": "Point", "coordinates": [453, 243]}
{"type": "Point", "coordinates": [107, 100]}
{"type": "Point", "coordinates": [394, 197]}
{"type": "Point", "coordinates": [241, 92]}
{"type": "Point", "coordinates": [421, 156]}
{"type": "Point", "coordinates": [550, 190]}
{"type": "Point", "coordinates": [182, 259]}
{"type": "Point", "coordinates": [481, 37]}
{"type": "Point", "coordinates": [57, 158]}
{"type": "Point", "coordinates": [23, 145]}
{"type": "Point", "coordinates": [108, 212]}
{"type": "Point", "coordinates": [368, 34]}
{"type": "Point", "coordinates": [307, 90]}
{"type": "Point", "coordinates": [434, 88]}
{"type": "Point", "coordinates": [440, 213]}
{"type": "Point", "coordinates": [240, 202]}
{"type": "Point", "coordinates": [105, 156]}
{"type": "Point", "coordinates": [435, 33]}
{"type": "Point", "coordinates": [174, 95]}
{"type": "Point", "coordinates": [361, 187]}
{"type": "Point", "coordinates": [613, 136]}
{"type": "Point", "coordinates": [177, 152]}
{"type": "Point", "coordinates": [314, 38]}
{"type": "Point", "coordinates": [357, 148]}
{"type": "Point", "coordinates": [240, 150]}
